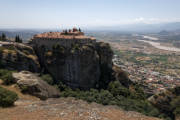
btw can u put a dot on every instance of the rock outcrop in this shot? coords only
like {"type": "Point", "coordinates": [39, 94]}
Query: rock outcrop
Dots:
{"type": "Point", "coordinates": [121, 76]}
{"type": "Point", "coordinates": [17, 56]}
{"type": "Point", "coordinates": [168, 102]}
{"type": "Point", "coordinates": [84, 66]}
{"type": "Point", "coordinates": [32, 84]}
{"type": "Point", "coordinates": [81, 66]}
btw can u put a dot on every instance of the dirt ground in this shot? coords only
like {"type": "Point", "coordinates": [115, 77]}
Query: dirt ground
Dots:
{"type": "Point", "coordinates": [31, 108]}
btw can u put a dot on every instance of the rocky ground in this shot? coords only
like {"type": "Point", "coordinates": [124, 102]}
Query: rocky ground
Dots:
{"type": "Point", "coordinates": [32, 108]}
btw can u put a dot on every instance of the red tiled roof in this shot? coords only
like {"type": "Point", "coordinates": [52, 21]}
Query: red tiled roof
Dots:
{"type": "Point", "coordinates": [71, 35]}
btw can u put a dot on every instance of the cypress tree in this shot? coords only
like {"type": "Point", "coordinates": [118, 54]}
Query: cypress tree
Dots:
{"type": "Point", "coordinates": [18, 39]}
{"type": "Point", "coordinates": [3, 37]}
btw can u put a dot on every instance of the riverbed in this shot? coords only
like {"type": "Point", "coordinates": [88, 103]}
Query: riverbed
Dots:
{"type": "Point", "coordinates": [159, 46]}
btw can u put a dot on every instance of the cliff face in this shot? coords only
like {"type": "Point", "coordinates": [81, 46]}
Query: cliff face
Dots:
{"type": "Point", "coordinates": [81, 66]}
{"type": "Point", "coordinates": [16, 56]}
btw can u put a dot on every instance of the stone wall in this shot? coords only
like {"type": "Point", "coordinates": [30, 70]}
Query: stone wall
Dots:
{"type": "Point", "coordinates": [49, 42]}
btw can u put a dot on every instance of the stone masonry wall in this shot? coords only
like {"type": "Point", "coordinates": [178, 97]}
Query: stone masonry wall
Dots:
{"type": "Point", "coordinates": [49, 42]}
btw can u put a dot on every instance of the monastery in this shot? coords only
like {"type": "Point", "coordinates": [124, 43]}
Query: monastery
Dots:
{"type": "Point", "coordinates": [66, 38]}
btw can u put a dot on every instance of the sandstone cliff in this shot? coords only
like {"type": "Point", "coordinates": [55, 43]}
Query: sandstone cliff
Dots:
{"type": "Point", "coordinates": [81, 66]}
{"type": "Point", "coordinates": [17, 56]}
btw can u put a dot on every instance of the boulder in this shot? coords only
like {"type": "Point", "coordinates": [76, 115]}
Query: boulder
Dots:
{"type": "Point", "coordinates": [121, 76]}
{"type": "Point", "coordinates": [32, 84]}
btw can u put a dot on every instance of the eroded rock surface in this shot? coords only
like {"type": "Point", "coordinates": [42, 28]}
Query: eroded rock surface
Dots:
{"type": "Point", "coordinates": [81, 66]}
{"type": "Point", "coordinates": [30, 83]}
{"type": "Point", "coordinates": [17, 56]}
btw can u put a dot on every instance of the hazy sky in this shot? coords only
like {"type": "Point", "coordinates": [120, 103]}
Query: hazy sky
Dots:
{"type": "Point", "coordinates": [66, 13]}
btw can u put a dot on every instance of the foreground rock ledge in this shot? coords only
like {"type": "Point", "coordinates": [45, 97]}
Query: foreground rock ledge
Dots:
{"type": "Point", "coordinates": [30, 83]}
{"type": "Point", "coordinates": [67, 109]}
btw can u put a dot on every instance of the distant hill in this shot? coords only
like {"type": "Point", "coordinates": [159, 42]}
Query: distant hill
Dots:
{"type": "Point", "coordinates": [141, 27]}
{"type": "Point", "coordinates": [164, 32]}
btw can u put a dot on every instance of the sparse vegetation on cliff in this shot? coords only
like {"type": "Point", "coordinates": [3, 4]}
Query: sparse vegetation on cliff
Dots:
{"type": "Point", "coordinates": [18, 57]}
{"type": "Point", "coordinates": [6, 76]}
{"type": "Point", "coordinates": [47, 78]}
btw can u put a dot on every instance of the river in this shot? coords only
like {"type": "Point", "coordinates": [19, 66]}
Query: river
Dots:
{"type": "Point", "coordinates": [150, 38]}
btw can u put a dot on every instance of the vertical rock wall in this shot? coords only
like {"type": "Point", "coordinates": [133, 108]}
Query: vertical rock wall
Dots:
{"type": "Point", "coordinates": [81, 66]}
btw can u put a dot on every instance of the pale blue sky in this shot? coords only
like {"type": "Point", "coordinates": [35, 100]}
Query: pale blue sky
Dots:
{"type": "Point", "coordinates": [66, 13]}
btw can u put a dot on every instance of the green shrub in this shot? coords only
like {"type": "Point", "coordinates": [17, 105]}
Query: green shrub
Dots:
{"type": "Point", "coordinates": [177, 111]}
{"type": "Point", "coordinates": [116, 94]}
{"type": "Point", "coordinates": [24, 89]}
{"type": "Point", "coordinates": [6, 76]}
{"type": "Point", "coordinates": [116, 88]}
{"type": "Point", "coordinates": [137, 92]}
{"type": "Point", "coordinates": [175, 104]}
{"type": "Point", "coordinates": [56, 49]}
{"type": "Point", "coordinates": [7, 98]}
{"type": "Point", "coordinates": [48, 78]}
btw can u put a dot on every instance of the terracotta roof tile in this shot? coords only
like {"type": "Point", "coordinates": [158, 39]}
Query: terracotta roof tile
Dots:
{"type": "Point", "coordinates": [69, 35]}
